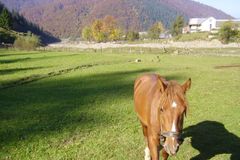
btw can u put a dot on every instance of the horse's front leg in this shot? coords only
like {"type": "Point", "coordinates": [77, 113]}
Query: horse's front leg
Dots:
{"type": "Point", "coordinates": [153, 143]}
{"type": "Point", "coordinates": [147, 151]}
{"type": "Point", "coordinates": [164, 154]}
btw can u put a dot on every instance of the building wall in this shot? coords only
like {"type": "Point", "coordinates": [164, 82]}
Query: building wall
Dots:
{"type": "Point", "coordinates": [194, 29]}
{"type": "Point", "coordinates": [208, 25]}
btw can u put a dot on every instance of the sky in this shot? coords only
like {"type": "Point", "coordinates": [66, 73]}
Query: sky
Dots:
{"type": "Point", "coordinates": [231, 7]}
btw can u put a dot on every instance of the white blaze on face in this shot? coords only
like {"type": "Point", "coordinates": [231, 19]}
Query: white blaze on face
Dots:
{"type": "Point", "coordinates": [147, 154]}
{"type": "Point", "coordinates": [173, 129]}
{"type": "Point", "coordinates": [174, 104]}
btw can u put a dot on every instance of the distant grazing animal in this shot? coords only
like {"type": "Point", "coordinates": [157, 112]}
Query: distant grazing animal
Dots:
{"type": "Point", "coordinates": [160, 105]}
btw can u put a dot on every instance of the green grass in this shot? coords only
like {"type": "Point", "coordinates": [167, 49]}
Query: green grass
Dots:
{"type": "Point", "coordinates": [193, 36]}
{"type": "Point", "coordinates": [88, 113]}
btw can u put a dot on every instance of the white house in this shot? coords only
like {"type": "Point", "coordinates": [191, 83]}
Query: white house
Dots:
{"type": "Point", "coordinates": [206, 24]}
{"type": "Point", "coordinates": [202, 24]}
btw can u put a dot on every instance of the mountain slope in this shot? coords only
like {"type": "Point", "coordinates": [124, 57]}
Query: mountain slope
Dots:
{"type": "Point", "coordinates": [67, 17]}
{"type": "Point", "coordinates": [20, 26]}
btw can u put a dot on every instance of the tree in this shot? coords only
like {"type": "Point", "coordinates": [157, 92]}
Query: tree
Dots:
{"type": "Point", "coordinates": [177, 26]}
{"type": "Point", "coordinates": [5, 19]}
{"type": "Point", "coordinates": [155, 30]}
{"type": "Point", "coordinates": [115, 35]}
{"type": "Point", "coordinates": [87, 33]}
{"type": "Point", "coordinates": [111, 29]}
{"type": "Point", "coordinates": [227, 32]}
{"type": "Point", "coordinates": [109, 24]}
{"type": "Point", "coordinates": [97, 31]}
{"type": "Point", "coordinates": [102, 30]}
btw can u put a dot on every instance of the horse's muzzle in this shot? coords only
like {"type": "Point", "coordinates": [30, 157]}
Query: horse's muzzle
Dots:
{"type": "Point", "coordinates": [176, 135]}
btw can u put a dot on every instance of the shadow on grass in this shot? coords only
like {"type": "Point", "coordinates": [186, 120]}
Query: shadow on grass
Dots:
{"type": "Point", "coordinates": [11, 71]}
{"type": "Point", "coordinates": [211, 138]}
{"type": "Point", "coordinates": [50, 106]}
{"type": "Point", "coordinates": [53, 105]}
{"type": "Point", "coordinates": [4, 61]}
{"type": "Point", "coordinates": [19, 54]}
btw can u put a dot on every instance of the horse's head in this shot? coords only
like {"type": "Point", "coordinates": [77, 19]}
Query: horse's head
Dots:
{"type": "Point", "coordinates": [173, 106]}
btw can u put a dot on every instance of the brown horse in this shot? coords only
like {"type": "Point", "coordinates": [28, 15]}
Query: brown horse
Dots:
{"type": "Point", "coordinates": [160, 105]}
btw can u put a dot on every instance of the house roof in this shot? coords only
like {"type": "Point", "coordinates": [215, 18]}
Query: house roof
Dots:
{"type": "Point", "coordinates": [196, 21]}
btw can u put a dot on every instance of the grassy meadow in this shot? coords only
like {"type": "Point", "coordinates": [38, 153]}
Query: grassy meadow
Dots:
{"type": "Point", "coordinates": [79, 104]}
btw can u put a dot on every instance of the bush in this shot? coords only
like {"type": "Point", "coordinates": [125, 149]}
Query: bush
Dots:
{"type": "Point", "coordinates": [227, 32]}
{"type": "Point", "coordinates": [238, 37]}
{"type": "Point", "coordinates": [6, 37]}
{"type": "Point", "coordinates": [87, 33]}
{"type": "Point", "coordinates": [132, 36]}
{"type": "Point", "coordinates": [29, 42]}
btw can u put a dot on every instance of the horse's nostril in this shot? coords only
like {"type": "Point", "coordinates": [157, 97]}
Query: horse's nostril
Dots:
{"type": "Point", "coordinates": [167, 149]}
{"type": "Point", "coordinates": [165, 145]}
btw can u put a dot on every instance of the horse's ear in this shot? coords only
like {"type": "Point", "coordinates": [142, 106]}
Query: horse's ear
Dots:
{"type": "Point", "coordinates": [187, 85]}
{"type": "Point", "coordinates": [163, 83]}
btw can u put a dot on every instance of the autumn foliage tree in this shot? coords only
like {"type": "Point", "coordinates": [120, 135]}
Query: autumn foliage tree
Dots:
{"type": "Point", "coordinates": [98, 31]}
{"type": "Point", "coordinates": [102, 30]}
{"type": "Point", "coordinates": [111, 28]}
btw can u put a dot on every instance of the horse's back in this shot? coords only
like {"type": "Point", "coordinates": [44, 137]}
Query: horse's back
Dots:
{"type": "Point", "coordinates": [145, 88]}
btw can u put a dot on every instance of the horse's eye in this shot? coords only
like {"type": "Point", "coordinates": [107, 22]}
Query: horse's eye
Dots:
{"type": "Point", "coordinates": [161, 109]}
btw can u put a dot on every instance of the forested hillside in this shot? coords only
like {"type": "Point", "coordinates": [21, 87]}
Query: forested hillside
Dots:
{"type": "Point", "coordinates": [20, 24]}
{"type": "Point", "coordinates": [65, 18]}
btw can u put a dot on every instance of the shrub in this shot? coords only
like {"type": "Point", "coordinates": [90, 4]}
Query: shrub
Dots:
{"type": "Point", "coordinates": [238, 37]}
{"type": "Point", "coordinates": [132, 36]}
{"type": "Point", "coordinates": [227, 32]}
{"type": "Point", "coordinates": [87, 33]}
{"type": "Point", "coordinates": [6, 37]}
{"type": "Point", "coordinates": [29, 42]}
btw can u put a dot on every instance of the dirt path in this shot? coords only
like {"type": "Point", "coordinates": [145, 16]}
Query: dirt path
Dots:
{"type": "Point", "coordinates": [169, 44]}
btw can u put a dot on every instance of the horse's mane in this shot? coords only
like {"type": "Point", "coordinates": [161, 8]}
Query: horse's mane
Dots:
{"type": "Point", "coordinates": [172, 91]}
